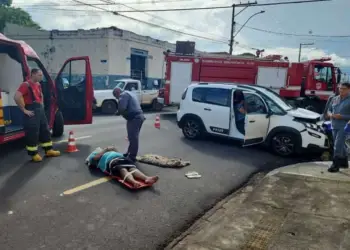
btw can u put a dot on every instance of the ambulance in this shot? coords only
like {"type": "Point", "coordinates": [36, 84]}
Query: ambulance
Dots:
{"type": "Point", "coordinates": [67, 99]}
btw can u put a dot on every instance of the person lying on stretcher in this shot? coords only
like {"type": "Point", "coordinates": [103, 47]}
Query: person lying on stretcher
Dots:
{"type": "Point", "coordinates": [111, 161]}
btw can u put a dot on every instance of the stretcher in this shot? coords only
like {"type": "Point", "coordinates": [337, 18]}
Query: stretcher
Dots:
{"type": "Point", "coordinates": [162, 161]}
{"type": "Point", "coordinates": [123, 181]}
{"type": "Point", "coordinates": [116, 177]}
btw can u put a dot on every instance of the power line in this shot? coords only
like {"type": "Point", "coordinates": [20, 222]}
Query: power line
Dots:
{"type": "Point", "coordinates": [293, 34]}
{"type": "Point", "coordinates": [217, 7]}
{"type": "Point", "coordinates": [25, 4]}
{"type": "Point", "coordinates": [152, 24]}
{"type": "Point", "coordinates": [166, 20]}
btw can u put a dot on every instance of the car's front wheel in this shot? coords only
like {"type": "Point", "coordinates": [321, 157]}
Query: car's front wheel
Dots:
{"type": "Point", "coordinates": [284, 144]}
{"type": "Point", "coordinates": [192, 129]}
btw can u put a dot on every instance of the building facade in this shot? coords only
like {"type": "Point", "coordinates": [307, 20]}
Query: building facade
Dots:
{"type": "Point", "coordinates": [113, 53]}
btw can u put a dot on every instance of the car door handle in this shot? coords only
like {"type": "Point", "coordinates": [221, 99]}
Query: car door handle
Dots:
{"type": "Point", "coordinates": [252, 121]}
{"type": "Point", "coordinates": [207, 109]}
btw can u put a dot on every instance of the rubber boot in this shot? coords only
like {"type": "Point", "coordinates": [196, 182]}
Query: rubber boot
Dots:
{"type": "Point", "coordinates": [37, 158]}
{"type": "Point", "coordinates": [335, 166]}
{"type": "Point", "coordinates": [343, 162]}
{"type": "Point", "coordinates": [52, 153]}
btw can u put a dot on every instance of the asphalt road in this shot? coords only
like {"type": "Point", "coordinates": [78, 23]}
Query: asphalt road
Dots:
{"type": "Point", "coordinates": [35, 215]}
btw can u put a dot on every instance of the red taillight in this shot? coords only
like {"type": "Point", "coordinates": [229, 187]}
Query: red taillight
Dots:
{"type": "Point", "coordinates": [161, 93]}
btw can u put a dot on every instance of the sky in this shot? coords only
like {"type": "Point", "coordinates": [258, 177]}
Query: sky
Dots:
{"type": "Point", "coordinates": [325, 24]}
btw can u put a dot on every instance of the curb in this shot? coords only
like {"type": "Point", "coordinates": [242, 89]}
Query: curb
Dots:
{"type": "Point", "coordinates": [246, 187]}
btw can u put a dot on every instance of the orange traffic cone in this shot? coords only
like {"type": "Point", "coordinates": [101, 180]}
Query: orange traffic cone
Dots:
{"type": "Point", "coordinates": [157, 122]}
{"type": "Point", "coordinates": [71, 143]}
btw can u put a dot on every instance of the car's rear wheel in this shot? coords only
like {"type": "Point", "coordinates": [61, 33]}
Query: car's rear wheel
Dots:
{"type": "Point", "coordinates": [109, 107]}
{"type": "Point", "coordinates": [284, 144]}
{"type": "Point", "coordinates": [192, 129]}
{"type": "Point", "coordinates": [156, 106]}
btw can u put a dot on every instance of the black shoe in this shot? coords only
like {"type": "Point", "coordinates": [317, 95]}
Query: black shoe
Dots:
{"type": "Point", "coordinates": [343, 162]}
{"type": "Point", "coordinates": [334, 168]}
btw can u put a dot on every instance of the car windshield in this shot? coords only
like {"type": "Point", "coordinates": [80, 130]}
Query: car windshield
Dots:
{"type": "Point", "coordinates": [276, 98]}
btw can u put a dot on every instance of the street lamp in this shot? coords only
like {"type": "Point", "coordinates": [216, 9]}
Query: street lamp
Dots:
{"type": "Point", "coordinates": [233, 37]}
{"type": "Point", "coordinates": [303, 44]}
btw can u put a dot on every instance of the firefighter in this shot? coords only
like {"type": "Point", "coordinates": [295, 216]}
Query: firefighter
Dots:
{"type": "Point", "coordinates": [29, 98]}
{"type": "Point", "coordinates": [339, 113]}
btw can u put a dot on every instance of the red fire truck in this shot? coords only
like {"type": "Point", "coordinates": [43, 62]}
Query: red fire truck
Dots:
{"type": "Point", "coordinates": [306, 84]}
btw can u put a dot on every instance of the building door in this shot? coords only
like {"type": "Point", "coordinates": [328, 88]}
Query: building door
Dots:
{"type": "Point", "coordinates": [138, 64]}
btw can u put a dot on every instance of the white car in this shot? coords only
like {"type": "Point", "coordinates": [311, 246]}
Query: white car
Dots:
{"type": "Point", "coordinates": [208, 108]}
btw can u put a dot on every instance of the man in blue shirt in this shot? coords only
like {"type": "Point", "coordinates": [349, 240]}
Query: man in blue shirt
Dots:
{"type": "Point", "coordinates": [129, 107]}
{"type": "Point", "coordinates": [339, 113]}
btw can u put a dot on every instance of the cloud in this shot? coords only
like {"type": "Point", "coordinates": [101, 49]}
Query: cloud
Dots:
{"type": "Point", "coordinates": [214, 25]}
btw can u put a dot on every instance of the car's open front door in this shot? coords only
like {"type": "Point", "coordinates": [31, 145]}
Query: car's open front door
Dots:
{"type": "Point", "coordinates": [75, 91]}
{"type": "Point", "coordinates": [257, 120]}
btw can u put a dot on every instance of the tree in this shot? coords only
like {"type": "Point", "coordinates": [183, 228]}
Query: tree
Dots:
{"type": "Point", "coordinates": [14, 15]}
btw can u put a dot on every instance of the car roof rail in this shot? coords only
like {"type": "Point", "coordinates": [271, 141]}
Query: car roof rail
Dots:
{"type": "Point", "coordinates": [203, 83]}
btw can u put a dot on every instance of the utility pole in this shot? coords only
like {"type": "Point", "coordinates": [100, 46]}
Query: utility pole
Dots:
{"type": "Point", "coordinates": [255, 4]}
{"type": "Point", "coordinates": [233, 23]}
{"type": "Point", "coordinates": [300, 46]}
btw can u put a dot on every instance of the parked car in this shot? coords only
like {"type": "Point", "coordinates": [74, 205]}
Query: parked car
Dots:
{"type": "Point", "coordinates": [208, 109]}
{"type": "Point", "coordinates": [109, 105]}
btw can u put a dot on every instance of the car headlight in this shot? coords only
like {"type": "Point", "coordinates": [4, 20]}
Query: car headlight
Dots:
{"type": "Point", "coordinates": [314, 127]}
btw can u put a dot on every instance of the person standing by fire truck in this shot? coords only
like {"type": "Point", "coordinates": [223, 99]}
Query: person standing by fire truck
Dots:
{"type": "Point", "coordinates": [339, 113]}
{"type": "Point", "coordinates": [29, 98]}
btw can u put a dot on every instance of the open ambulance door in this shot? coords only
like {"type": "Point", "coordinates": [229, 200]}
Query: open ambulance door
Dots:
{"type": "Point", "coordinates": [75, 91]}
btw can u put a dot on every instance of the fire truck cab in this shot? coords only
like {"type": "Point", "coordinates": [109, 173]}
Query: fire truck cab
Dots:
{"type": "Point", "coordinates": [306, 84]}
{"type": "Point", "coordinates": [67, 100]}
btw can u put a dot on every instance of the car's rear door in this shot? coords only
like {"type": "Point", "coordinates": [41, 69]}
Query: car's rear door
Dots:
{"type": "Point", "coordinates": [214, 108]}
{"type": "Point", "coordinates": [75, 91]}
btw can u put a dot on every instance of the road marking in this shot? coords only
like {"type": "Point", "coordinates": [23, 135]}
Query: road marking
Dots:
{"type": "Point", "coordinates": [87, 185]}
{"type": "Point", "coordinates": [78, 138]}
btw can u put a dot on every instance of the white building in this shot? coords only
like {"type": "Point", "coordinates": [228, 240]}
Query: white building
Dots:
{"type": "Point", "coordinates": [113, 53]}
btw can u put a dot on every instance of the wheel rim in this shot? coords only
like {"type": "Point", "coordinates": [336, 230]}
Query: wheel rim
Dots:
{"type": "Point", "coordinates": [191, 129]}
{"type": "Point", "coordinates": [283, 145]}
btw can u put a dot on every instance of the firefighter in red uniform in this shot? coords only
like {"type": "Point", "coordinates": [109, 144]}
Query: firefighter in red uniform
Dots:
{"type": "Point", "coordinates": [29, 98]}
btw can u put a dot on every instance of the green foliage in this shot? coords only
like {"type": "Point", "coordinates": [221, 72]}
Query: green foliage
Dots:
{"type": "Point", "coordinates": [14, 15]}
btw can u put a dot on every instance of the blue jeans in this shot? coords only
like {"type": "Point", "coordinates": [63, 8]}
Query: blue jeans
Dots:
{"type": "Point", "coordinates": [339, 136]}
{"type": "Point", "coordinates": [133, 128]}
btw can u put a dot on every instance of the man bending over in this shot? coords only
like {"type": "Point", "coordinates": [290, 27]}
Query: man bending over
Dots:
{"type": "Point", "coordinates": [110, 160]}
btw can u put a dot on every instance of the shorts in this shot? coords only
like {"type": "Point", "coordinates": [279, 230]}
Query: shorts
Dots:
{"type": "Point", "coordinates": [115, 165]}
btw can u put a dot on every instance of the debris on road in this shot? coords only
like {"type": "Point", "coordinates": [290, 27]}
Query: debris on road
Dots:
{"type": "Point", "coordinates": [162, 161]}
{"type": "Point", "coordinates": [193, 175]}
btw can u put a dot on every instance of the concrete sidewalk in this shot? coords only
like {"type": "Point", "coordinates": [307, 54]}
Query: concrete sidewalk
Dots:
{"type": "Point", "coordinates": [296, 207]}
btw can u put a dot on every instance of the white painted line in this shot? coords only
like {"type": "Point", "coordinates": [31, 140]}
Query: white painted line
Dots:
{"type": "Point", "coordinates": [78, 138]}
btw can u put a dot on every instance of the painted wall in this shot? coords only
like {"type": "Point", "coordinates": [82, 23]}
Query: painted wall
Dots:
{"type": "Point", "coordinates": [109, 50]}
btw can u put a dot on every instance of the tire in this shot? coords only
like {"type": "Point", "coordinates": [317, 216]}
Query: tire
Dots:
{"type": "Point", "coordinates": [58, 125]}
{"type": "Point", "coordinates": [156, 106]}
{"type": "Point", "coordinates": [109, 107]}
{"type": "Point", "coordinates": [284, 144]}
{"type": "Point", "coordinates": [192, 128]}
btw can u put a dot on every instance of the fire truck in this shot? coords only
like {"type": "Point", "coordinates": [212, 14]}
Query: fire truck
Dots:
{"type": "Point", "coordinates": [306, 84]}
